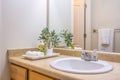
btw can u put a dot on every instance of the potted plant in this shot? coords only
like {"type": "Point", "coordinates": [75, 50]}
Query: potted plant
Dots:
{"type": "Point", "coordinates": [44, 39]}
{"type": "Point", "coordinates": [68, 37]}
{"type": "Point", "coordinates": [49, 39]}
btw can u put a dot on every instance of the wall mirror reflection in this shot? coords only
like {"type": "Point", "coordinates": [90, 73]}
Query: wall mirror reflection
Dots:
{"type": "Point", "coordinates": [95, 24]}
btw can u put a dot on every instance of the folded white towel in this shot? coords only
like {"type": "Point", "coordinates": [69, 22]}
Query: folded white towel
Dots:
{"type": "Point", "coordinates": [105, 35]}
{"type": "Point", "coordinates": [34, 53]}
{"type": "Point", "coordinates": [106, 39]}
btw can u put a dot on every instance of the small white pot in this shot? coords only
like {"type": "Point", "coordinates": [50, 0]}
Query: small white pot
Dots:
{"type": "Point", "coordinates": [49, 51]}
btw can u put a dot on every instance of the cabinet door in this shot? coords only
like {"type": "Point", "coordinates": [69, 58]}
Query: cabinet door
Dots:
{"type": "Point", "coordinates": [37, 76]}
{"type": "Point", "coordinates": [17, 73]}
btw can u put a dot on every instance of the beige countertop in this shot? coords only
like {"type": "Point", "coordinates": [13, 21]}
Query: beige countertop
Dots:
{"type": "Point", "coordinates": [42, 66]}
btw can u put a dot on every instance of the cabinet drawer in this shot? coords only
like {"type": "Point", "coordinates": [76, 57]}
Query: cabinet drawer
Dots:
{"type": "Point", "coordinates": [17, 73]}
{"type": "Point", "coordinates": [37, 76]}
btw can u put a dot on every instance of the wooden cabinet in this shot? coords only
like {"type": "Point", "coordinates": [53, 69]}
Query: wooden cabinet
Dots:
{"type": "Point", "coordinates": [37, 76]}
{"type": "Point", "coordinates": [17, 73]}
{"type": "Point", "coordinates": [20, 73]}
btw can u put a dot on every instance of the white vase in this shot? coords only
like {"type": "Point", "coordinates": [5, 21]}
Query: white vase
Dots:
{"type": "Point", "coordinates": [49, 51]}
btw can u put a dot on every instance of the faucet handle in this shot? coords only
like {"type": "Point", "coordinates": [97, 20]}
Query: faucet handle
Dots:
{"type": "Point", "coordinates": [94, 56]}
{"type": "Point", "coordinates": [83, 53]}
{"type": "Point", "coordinates": [85, 56]}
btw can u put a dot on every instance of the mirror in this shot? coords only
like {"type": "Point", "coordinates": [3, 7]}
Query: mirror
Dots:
{"type": "Point", "coordinates": [82, 20]}
{"type": "Point", "coordinates": [106, 14]}
{"type": "Point", "coordinates": [60, 14]}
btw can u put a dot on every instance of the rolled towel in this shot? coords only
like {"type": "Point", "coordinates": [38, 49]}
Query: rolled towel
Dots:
{"type": "Point", "coordinates": [34, 53]}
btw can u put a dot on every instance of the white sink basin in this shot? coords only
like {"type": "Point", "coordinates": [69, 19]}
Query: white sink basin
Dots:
{"type": "Point", "coordinates": [76, 65]}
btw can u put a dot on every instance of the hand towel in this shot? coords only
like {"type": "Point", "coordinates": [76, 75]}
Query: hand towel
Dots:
{"type": "Point", "coordinates": [105, 35]}
{"type": "Point", "coordinates": [105, 39]}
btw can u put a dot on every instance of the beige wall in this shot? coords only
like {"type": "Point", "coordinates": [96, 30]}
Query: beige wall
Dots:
{"type": "Point", "coordinates": [22, 23]}
{"type": "Point", "coordinates": [106, 13]}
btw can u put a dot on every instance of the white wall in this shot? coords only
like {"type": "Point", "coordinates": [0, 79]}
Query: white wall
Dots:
{"type": "Point", "coordinates": [106, 14]}
{"type": "Point", "coordinates": [1, 42]}
{"type": "Point", "coordinates": [0, 25]}
{"type": "Point", "coordinates": [23, 21]}
{"type": "Point", "coordinates": [3, 70]}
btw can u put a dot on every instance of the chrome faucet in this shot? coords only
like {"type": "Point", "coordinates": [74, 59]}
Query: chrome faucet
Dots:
{"type": "Point", "coordinates": [87, 57]}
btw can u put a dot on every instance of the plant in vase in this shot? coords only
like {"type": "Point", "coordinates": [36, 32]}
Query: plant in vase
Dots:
{"type": "Point", "coordinates": [44, 39]}
{"type": "Point", "coordinates": [68, 37]}
{"type": "Point", "coordinates": [49, 39]}
{"type": "Point", "coordinates": [53, 42]}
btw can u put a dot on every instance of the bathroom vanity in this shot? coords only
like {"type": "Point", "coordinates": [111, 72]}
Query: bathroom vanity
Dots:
{"type": "Point", "coordinates": [24, 69]}
{"type": "Point", "coordinates": [20, 73]}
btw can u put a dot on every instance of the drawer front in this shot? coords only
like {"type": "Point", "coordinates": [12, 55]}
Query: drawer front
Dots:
{"type": "Point", "coordinates": [37, 76]}
{"type": "Point", "coordinates": [17, 73]}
